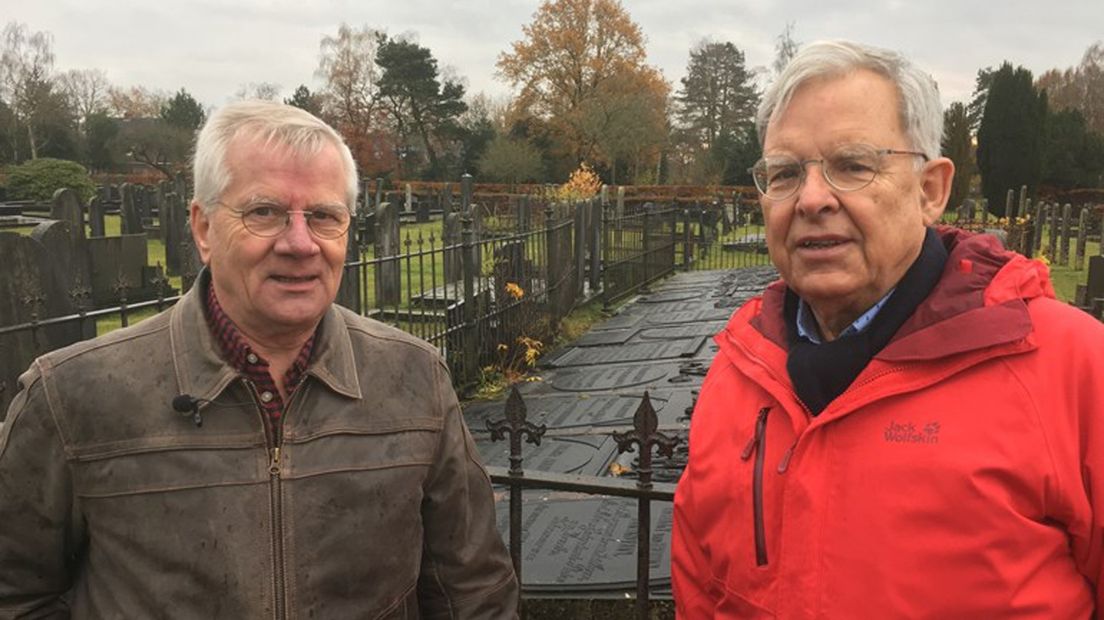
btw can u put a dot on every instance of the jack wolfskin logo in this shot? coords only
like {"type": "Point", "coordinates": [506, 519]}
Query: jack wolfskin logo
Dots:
{"type": "Point", "coordinates": [907, 432]}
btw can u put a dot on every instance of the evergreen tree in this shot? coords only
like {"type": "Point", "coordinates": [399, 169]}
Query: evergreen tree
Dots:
{"type": "Point", "coordinates": [958, 147]}
{"type": "Point", "coordinates": [304, 99]}
{"type": "Point", "coordinates": [1010, 139]}
{"type": "Point", "coordinates": [183, 111]}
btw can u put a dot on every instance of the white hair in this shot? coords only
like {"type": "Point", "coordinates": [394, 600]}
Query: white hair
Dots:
{"type": "Point", "coordinates": [272, 124]}
{"type": "Point", "coordinates": [920, 112]}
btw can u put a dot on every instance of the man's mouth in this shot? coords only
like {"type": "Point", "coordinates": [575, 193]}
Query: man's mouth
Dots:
{"type": "Point", "coordinates": [820, 244]}
{"type": "Point", "coordinates": [292, 279]}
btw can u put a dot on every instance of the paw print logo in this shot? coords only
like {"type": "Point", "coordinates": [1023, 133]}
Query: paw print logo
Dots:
{"type": "Point", "coordinates": [931, 428]}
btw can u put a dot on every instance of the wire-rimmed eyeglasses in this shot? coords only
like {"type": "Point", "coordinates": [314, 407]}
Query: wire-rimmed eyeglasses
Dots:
{"type": "Point", "coordinates": [267, 219]}
{"type": "Point", "coordinates": [849, 168]}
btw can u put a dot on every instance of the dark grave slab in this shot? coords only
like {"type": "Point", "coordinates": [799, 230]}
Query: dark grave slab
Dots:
{"type": "Point", "coordinates": [669, 307]}
{"type": "Point", "coordinates": [669, 296]}
{"type": "Point", "coordinates": [636, 352]}
{"type": "Point", "coordinates": [690, 316]}
{"type": "Point", "coordinates": [586, 455]}
{"type": "Point", "coordinates": [608, 378]}
{"type": "Point", "coordinates": [21, 221]}
{"type": "Point", "coordinates": [693, 330]}
{"type": "Point", "coordinates": [605, 337]}
{"type": "Point", "coordinates": [587, 545]}
{"type": "Point", "coordinates": [620, 321]}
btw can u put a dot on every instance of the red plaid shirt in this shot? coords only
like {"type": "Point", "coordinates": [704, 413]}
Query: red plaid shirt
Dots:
{"type": "Point", "coordinates": [237, 352]}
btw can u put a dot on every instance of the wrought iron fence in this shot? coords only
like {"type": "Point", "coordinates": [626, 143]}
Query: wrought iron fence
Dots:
{"type": "Point", "coordinates": [644, 435]}
{"type": "Point", "coordinates": [476, 284]}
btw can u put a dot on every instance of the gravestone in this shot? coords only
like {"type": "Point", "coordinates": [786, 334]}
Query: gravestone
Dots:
{"type": "Point", "coordinates": [348, 294]}
{"type": "Point", "coordinates": [117, 263]}
{"type": "Point", "coordinates": [96, 212]}
{"type": "Point", "coordinates": [388, 269]}
{"type": "Point", "coordinates": [130, 217]}
{"type": "Point", "coordinates": [421, 211]}
{"type": "Point", "coordinates": [1082, 238]}
{"type": "Point", "coordinates": [174, 230]}
{"type": "Point", "coordinates": [634, 352]}
{"type": "Point", "coordinates": [1063, 243]}
{"type": "Point", "coordinates": [450, 238]}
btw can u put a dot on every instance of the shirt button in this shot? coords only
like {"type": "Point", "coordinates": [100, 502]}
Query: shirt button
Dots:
{"type": "Point", "coordinates": [266, 397]}
{"type": "Point", "coordinates": [252, 358]}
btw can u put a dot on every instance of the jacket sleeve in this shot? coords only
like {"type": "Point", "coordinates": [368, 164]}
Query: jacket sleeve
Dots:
{"type": "Point", "coordinates": [691, 579]}
{"type": "Point", "coordinates": [38, 539]}
{"type": "Point", "coordinates": [465, 572]}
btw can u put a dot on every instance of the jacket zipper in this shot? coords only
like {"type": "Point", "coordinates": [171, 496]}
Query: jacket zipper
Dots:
{"type": "Point", "coordinates": [757, 445]}
{"type": "Point", "coordinates": [277, 533]}
{"type": "Point", "coordinates": [275, 504]}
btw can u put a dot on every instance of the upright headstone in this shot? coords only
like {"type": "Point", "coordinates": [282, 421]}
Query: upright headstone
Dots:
{"type": "Point", "coordinates": [1024, 206]}
{"type": "Point", "coordinates": [971, 209]}
{"type": "Point", "coordinates": [1039, 218]}
{"type": "Point", "coordinates": [379, 195]}
{"type": "Point", "coordinates": [1054, 222]}
{"type": "Point", "coordinates": [421, 211]}
{"type": "Point", "coordinates": [1063, 244]}
{"type": "Point", "coordinates": [446, 199]}
{"type": "Point", "coordinates": [66, 207]}
{"type": "Point", "coordinates": [450, 238]}
{"type": "Point", "coordinates": [466, 194]}
{"type": "Point", "coordinates": [408, 203]}
{"type": "Point", "coordinates": [388, 269]}
{"type": "Point", "coordinates": [96, 209]}
{"type": "Point", "coordinates": [477, 229]}
{"type": "Point", "coordinates": [1010, 206]}
{"type": "Point", "coordinates": [348, 294]}
{"type": "Point", "coordinates": [1082, 238]}
{"type": "Point", "coordinates": [130, 217]}
{"type": "Point", "coordinates": [174, 230]}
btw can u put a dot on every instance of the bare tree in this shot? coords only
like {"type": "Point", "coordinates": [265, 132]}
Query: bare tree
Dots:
{"type": "Point", "coordinates": [347, 65]}
{"type": "Point", "coordinates": [136, 102]}
{"type": "Point", "coordinates": [26, 65]}
{"type": "Point", "coordinates": [785, 48]}
{"type": "Point", "coordinates": [86, 90]}
{"type": "Point", "coordinates": [266, 91]}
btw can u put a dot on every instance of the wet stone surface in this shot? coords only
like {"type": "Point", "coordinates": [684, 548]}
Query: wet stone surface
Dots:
{"type": "Point", "coordinates": [576, 544]}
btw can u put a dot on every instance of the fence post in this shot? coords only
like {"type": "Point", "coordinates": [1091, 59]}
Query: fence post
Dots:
{"type": "Point", "coordinates": [645, 435]}
{"type": "Point", "coordinates": [1040, 214]}
{"type": "Point", "coordinates": [1010, 206]}
{"type": "Point", "coordinates": [687, 246]}
{"type": "Point", "coordinates": [470, 268]}
{"type": "Point", "coordinates": [466, 193]}
{"type": "Point", "coordinates": [515, 426]}
{"type": "Point", "coordinates": [579, 239]}
{"type": "Point", "coordinates": [645, 243]}
{"type": "Point", "coordinates": [596, 212]}
{"type": "Point", "coordinates": [607, 255]}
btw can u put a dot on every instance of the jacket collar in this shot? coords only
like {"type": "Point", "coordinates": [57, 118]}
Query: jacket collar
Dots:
{"type": "Point", "coordinates": [202, 373]}
{"type": "Point", "coordinates": [979, 302]}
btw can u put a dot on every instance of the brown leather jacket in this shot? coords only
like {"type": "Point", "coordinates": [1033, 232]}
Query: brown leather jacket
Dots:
{"type": "Point", "coordinates": [114, 505]}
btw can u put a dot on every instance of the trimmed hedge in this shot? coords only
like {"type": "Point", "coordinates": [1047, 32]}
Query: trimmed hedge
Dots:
{"type": "Point", "coordinates": [38, 179]}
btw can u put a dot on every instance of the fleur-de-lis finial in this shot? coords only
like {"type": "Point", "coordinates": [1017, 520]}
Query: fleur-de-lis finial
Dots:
{"type": "Point", "coordinates": [646, 434]}
{"type": "Point", "coordinates": [515, 425]}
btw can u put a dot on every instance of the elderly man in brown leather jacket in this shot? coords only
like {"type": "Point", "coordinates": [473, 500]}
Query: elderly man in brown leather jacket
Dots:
{"type": "Point", "coordinates": [321, 468]}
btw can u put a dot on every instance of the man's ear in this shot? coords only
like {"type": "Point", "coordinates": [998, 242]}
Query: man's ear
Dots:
{"type": "Point", "coordinates": [935, 188]}
{"type": "Point", "coordinates": [201, 228]}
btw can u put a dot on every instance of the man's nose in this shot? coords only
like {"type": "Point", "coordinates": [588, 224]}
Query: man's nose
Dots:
{"type": "Point", "coordinates": [297, 237]}
{"type": "Point", "coordinates": [815, 194]}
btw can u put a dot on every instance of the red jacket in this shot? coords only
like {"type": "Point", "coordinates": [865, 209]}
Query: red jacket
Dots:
{"type": "Point", "coordinates": [961, 475]}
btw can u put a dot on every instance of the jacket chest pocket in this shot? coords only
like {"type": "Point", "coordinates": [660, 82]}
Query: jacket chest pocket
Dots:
{"type": "Point", "coordinates": [358, 451]}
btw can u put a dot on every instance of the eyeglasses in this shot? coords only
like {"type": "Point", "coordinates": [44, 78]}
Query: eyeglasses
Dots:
{"type": "Point", "coordinates": [266, 219]}
{"type": "Point", "coordinates": [849, 168]}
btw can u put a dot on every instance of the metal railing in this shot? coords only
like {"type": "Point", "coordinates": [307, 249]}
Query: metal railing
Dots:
{"type": "Point", "coordinates": [644, 434]}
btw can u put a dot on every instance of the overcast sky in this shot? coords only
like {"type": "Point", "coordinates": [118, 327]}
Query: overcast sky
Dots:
{"type": "Point", "coordinates": [213, 47]}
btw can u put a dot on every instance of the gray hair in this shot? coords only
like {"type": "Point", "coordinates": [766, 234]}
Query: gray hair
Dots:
{"type": "Point", "coordinates": [921, 112]}
{"type": "Point", "coordinates": [272, 124]}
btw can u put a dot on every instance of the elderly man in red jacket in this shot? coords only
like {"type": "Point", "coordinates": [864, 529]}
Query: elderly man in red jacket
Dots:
{"type": "Point", "coordinates": [907, 425]}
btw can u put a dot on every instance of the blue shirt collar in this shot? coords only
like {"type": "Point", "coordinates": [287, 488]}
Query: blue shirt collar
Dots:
{"type": "Point", "coordinates": [807, 326]}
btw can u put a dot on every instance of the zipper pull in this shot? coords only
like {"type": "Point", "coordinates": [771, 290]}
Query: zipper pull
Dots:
{"type": "Point", "coordinates": [784, 464]}
{"type": "Point", "coordinates": [760, 428]}
{"type": "Point", "coordinates": [274, 467]}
